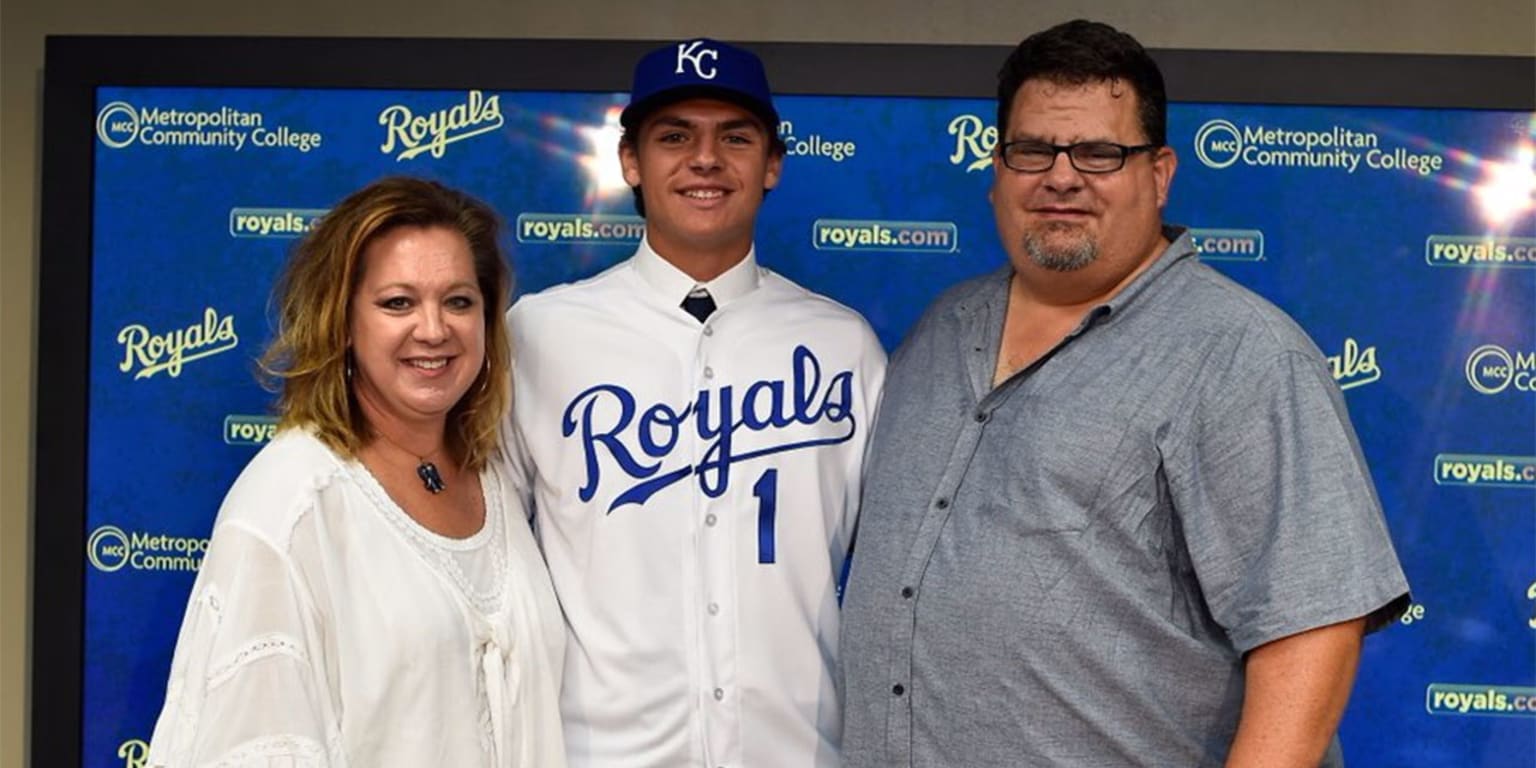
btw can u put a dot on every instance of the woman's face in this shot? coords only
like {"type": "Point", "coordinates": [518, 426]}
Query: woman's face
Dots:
{"type": "Point", "coordinates": [417, 325]}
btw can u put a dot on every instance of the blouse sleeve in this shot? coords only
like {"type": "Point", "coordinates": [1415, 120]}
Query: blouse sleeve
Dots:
{"type": "Point", "coordinates": [247, 684]}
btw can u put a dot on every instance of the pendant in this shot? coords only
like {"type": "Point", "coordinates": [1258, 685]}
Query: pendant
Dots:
{"type": "Point", "coordinates": [427, 471]}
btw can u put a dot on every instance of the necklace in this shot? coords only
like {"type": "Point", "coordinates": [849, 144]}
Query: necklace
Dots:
{"type": "Point", "coordinates": [427, 471]}
{"type": "Point", "coordinates": [431, 479]}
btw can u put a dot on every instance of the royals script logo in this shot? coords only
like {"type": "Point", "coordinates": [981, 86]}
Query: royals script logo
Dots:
{"type": "Point", "coordinates": [974, 142]}
{"type": "Point", "coordinates": [640, 438]}
{"type": "Point", "coordinates": [1355, 366]}
{"type": "Point", "coordinates": [135, 753]}
{"type": "Point", "coordinates": [152, 353]}
{"type": "Point", "coordinates": [433, 132]}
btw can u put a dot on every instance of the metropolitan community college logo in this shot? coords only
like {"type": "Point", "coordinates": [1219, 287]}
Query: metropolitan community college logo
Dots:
{"type": "Point", "coordinates": [120, 125]}
{"type": "Point", "coordinates": [110, 548]}
{"type": "Point", "coordinates": [1222, 144]}
{"type": "Point", "coordinates": [1491, 369]}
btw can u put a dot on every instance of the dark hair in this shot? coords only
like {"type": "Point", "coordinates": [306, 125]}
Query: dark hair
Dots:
{"type": "Point", "coordinates": [306, 361]}
{"type": "Point", "coordinates": [1080, 52]}
{"type": "Point", "coordinates": [776, 145]}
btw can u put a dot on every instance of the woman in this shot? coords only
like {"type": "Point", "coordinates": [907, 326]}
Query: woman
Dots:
{"type": "Point", "coordinates": [372, 595]}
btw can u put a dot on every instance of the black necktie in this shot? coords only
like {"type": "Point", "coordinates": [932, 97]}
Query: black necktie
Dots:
{"type": "Point", "coordinates": [699, 304]}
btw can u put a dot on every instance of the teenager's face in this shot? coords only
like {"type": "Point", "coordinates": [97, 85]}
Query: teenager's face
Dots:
{"type": "Point", "coordinates": [702, 166]}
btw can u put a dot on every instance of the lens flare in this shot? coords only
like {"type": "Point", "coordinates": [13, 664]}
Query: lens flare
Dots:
{"type": "Point", "coordinates": [604, 173]}
{"type": "Point", "coordinates": [1508, 189]}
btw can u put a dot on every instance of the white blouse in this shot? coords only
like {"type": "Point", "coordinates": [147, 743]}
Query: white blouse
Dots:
{"type": "Point", "coordinates": [327, 628]}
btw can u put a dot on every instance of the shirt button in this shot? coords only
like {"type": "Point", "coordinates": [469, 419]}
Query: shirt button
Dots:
{"type": "Point", "coordinates": [709, 373]}
{"type": "Point", "coordinates": [719, 694]}
{"type": "Point", "coordinates": [907, 592]}
{"type": "Point", "coordinates": [898, 689]}
{"type": "Point", "coordinates": [714, 609]}
{"type": "Point", "coordinates": [942, 503]}
{"type": "Point", "coordinates": [709, 330]}
{"type": "Point", "coordinates": [981, 417]}
{"type": "Point", "coordinates": [709, 519]}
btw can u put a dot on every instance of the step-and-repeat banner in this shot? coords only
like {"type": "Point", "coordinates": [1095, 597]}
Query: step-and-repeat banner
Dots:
{"type": "Point", "coordinates": [1402, 240]}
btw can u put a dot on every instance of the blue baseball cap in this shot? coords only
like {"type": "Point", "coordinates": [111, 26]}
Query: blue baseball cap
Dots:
{"type": "Point", "coordinates": [700, 68]}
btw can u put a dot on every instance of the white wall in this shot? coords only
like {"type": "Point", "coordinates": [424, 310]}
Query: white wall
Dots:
{"type": "Point", "coordinates": [1494, 27]}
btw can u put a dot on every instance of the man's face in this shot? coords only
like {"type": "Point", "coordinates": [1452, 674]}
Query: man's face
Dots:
{"type": "Point", "coordinates": [702, 166]}
{"type": "Point", "coordinates": [1063, 220]}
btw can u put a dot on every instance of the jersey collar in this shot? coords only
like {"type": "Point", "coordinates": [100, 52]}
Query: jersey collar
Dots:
{"type": "Point", "coordinates": [673, 285]}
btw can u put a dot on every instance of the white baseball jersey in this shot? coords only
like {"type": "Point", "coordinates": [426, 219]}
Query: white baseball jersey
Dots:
{"type": "Point", "coordinates": [695, 489]}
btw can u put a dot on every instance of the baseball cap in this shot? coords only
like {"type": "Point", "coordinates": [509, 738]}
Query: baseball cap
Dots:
{"type": "Point", "coordinates": [700, 68]}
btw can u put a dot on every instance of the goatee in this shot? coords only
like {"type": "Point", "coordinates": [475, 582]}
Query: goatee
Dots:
{"type": "Point", "coordinates": [1067, 256]}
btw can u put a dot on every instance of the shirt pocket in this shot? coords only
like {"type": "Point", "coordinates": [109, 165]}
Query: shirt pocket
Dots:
{"type": "Point", "coordinates": [1054, 463]}
{"type": "Point", "coordinates": [1046, 473]}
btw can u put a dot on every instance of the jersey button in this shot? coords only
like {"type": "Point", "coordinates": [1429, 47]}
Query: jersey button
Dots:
{"type": "Point", "coordinates": [709, 373]}
{"type": "Point", "coordinates": [714, 609]}
{"type": "Point", "coordinates": [710, 519]}
{"type": "Point", "coordinates": [709, 330]}
{"type": "Point", "coordinates": [907, 592]}
{"type": "Point", "coordinates": [981, 417]}
{"type": "Point", "coordinates": [942, 503]}
{"type": "Point", "coordinates": [719, 694]}
{"type": "Point", "coordinates": [898, 689]}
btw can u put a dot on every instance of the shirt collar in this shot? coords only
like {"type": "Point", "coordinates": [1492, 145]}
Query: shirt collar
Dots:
{"type": "Point", "coordinates": [1181, 245]}
{"type": "Point", "coordinates": [673, 285]}
{"type": "Point", "coordinates": [993, 293]}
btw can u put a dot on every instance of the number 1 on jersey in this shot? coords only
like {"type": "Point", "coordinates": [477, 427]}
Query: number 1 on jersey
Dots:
{"type": "Point", "coordinates": [767, 492]}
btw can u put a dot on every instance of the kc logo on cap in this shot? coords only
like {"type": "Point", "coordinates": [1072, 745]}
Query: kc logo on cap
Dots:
{"type": "Point", "coordinates": [693, 54]}
{"type": "Point", "coordinates": [700, 68]}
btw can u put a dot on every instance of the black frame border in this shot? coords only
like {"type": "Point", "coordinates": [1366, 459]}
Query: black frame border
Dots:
{"type": "Point", "coordinates": [76, 65]}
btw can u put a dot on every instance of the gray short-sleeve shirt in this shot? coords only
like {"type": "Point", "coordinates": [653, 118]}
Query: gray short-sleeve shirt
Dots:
{"type": "Point", "coordinates": [1066, 570]}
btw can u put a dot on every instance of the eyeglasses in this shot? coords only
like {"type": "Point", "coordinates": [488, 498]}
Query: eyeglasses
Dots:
{"type": "Point", "coordinates": [1086, 157]}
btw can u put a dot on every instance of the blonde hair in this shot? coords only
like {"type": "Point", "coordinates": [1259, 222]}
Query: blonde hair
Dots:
{"type": "Point", "coordinates": [307, 362]}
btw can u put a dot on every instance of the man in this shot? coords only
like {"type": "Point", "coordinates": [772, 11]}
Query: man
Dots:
{"type": "Point", "coordinates": [693, 427]}
{"type": "Point", "coordinates": [1115, 513]}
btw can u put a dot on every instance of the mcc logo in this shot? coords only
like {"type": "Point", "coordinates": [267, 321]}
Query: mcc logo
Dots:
{"type": "Point", "coordinates": [1221, 143]}
{"type": "Point", "coordinates": [110, 549]}
{"type": "Point", "coordinates": [120, 125]}
{"type": "Point", "coordinates": [1492, 369]}
{"type": "Point", "coordinates": [1218, 143]}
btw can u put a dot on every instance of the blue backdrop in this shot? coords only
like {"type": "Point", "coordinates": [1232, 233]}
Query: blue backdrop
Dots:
{"type": "Point", "coordinates": [1404, 241]}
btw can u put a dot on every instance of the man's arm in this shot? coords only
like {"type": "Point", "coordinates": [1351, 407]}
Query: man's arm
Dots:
{"type": "Point", "coordinates": [1296, 690]}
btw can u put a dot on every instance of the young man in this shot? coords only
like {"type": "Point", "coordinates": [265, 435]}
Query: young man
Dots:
{"type": "Point", "coordinates": [692, 427]}
{"type": "Point", "coordinates": [1115, 510]}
